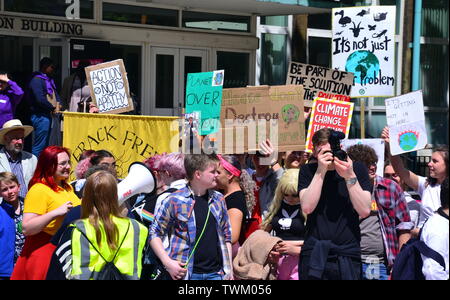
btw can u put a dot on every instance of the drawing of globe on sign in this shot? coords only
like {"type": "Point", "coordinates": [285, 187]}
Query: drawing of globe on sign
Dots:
{"type": "Point", "coordinates": [364, 65]}
{"type": "Point", "coordinates": [408, 140]}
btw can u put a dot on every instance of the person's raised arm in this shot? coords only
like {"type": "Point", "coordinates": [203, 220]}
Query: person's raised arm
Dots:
{"type": "Point", "coordinates": [408, 177]}
{"type": "Point", "coordinates": [309, 197]}
{"type": "Point", "coordinates": [360, 198]}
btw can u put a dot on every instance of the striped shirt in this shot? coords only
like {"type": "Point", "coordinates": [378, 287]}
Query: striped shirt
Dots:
{"type": "Point", "coordinates": [16, 169]}
{"type": "Point", "coordinates": [176, 216]}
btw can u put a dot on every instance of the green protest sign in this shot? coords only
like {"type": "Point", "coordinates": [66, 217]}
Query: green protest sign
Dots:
{"type": "Point", "coordinates": [204, 96]}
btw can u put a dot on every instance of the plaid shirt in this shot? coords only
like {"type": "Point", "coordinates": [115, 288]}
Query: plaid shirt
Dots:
{"type": "Point", "coordinates": [393, 213]}
{"type": "Point", "coordinates": [176, 216]}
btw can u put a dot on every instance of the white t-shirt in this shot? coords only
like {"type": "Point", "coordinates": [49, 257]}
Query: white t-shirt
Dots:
{"type": "Point", "coordinates": [435, 235]}
{"type": "Point", "coordinates": [431, 199]}
{"type": "Point", "coordinates": [414, 208]}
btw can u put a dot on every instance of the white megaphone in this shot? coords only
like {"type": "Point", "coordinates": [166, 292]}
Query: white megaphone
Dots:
{"type": "Point", "coordinates": [140, 179]}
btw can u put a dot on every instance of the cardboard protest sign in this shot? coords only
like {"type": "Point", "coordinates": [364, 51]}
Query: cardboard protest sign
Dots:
{"type": "Point", "coordinates": [406, 120]}
{"type": "Point", "coordinates": [376, 144]}
{"type": "Point", "coordinates": [109, 87]}
{"type": "Point", "coordinates": [204, 95]}
{"type": "Point", "coordinates": [320, 82]}
{"type": "Point", "coordinates": [252, 114]}
{"type": "Point", "coordinates": [332, 114]}
{"type": "Point", "coordinates": [363, 43]}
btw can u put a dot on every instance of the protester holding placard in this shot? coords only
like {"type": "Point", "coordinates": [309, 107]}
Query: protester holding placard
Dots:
{"type": "Point", "coordinates": [428, 188]}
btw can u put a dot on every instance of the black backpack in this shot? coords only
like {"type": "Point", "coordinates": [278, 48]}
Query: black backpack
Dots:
{"type": "Point", "coordinates": [408, 263]}
{"type": "Point", "coordinates": [109, 270]}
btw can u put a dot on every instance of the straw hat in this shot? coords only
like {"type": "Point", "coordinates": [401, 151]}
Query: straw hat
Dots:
{"type": "Point", "coordinates": [13, 125]}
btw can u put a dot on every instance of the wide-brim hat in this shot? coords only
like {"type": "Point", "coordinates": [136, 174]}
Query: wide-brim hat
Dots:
{"type": "Point", "coordinates": [13, 125]}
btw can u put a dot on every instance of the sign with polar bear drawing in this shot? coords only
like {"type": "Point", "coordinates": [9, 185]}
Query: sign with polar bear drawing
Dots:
{"type": "Point", "coordinates": [363, 43]}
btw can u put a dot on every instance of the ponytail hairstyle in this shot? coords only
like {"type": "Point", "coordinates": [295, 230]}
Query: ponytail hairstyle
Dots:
{"type": "Point", "coordinates": [246, 182]}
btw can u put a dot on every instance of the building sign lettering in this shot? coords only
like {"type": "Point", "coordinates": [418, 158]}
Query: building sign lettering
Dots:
{"type": "Point", "coordinates": [41, 26]}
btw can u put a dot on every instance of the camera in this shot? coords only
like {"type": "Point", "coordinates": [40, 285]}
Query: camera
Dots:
{"type": "Point", "coordinates": [335, 142]}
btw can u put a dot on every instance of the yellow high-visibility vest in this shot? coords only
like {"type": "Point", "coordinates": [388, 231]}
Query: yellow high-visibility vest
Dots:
{"type": "Point", "coordinates": [87, 262]}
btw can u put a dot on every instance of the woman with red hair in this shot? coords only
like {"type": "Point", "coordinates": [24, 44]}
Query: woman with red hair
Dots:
{"type": "Point", "coordinates": [49, 198]}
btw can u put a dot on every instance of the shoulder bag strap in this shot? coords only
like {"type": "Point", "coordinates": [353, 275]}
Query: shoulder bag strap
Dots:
{"type": "Point", "coordinates": [117, 251]}
{"type": "Point", "coordinates": [199, 237]}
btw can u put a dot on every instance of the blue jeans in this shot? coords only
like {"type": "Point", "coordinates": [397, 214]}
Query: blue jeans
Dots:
{"type": "Point", "coordinates": [41, 124]}
{"type": "Point", "coordinates": [207, 276]}
{"type": "Point", "coordinates": [374, 271]}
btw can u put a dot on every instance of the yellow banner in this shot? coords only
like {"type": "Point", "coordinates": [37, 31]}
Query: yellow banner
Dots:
{"type": "Point", "coordinates": [128, 138]}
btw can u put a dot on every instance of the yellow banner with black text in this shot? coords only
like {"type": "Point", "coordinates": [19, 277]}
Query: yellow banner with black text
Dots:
{"type": "Point", "coordinates": [129, 138]}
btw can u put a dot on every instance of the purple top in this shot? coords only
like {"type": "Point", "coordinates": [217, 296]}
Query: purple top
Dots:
{"type": "Point", "coordinates": [9, 99]}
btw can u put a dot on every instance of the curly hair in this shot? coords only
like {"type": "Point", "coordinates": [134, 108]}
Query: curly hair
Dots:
{"type": "Point", "coordinates": [363, 153]}
{"type": "Point", "coordinates": [246, 182]}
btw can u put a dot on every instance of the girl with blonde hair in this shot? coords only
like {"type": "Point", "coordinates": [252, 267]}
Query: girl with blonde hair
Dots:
{"type": "Point", "coordinates": [286, 221]}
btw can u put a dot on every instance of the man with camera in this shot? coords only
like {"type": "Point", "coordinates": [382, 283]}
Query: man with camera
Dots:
{"type": "Point", "coordinates": [334, 192]}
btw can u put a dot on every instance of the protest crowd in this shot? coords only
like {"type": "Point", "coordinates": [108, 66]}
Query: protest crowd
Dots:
{"type": "Point", "coordinates": [259, 215]}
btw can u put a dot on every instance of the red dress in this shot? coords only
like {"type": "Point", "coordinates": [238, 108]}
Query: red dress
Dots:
{"type": "Point", "coordinates": [255, 221]}
{"type": "Point", "coordinates": [35, 258]}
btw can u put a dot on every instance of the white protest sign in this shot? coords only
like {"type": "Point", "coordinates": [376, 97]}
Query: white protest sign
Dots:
{"type": "Point", "coordinates": [109, 87]}
{"type": "Point", "coordinates": [406, 120]}
{"type": "Point", "coordinates": [364, 44]}
{"type": "Point", "coordinates": [376, 144]}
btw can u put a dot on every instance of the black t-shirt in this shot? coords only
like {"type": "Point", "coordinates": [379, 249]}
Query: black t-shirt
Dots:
{"type": "Point", "coordinates": [207, 256]}
{"type": "Point", "coordinates": [334, 218]}
{"type": "Point", "coordinates": [237, 200]}
{"type": "Point", "coordinates": [288, 223]}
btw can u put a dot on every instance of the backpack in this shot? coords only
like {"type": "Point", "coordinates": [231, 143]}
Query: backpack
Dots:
{"type": "Point", "coordinates": [408, 263]}
{"type": "Point", "coordinates": [109, 270]}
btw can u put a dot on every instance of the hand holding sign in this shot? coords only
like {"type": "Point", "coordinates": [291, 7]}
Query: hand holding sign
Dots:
{"type": "Point", "coordinates": [109, 87]}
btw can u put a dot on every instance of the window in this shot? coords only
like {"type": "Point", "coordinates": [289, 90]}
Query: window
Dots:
{"type": "Point", "coordinates": [131, 56]}
{"type": "Point", "coordinates": [140, 14]}
{"type": "Point", "coordinates": [200, 20]}
{"type": "Point", "coordinates": [164, 80]}
{"type": "Point", "coordinates": [274, 54]}
{"type": "Point", "coordinates": [319, 51]}
{"type": "Point", "coordinates": [49, 7]}
{"type": "Point", "coordinates": [274, 63]}
{"type": "Point", "coordinates": [275, 21]}
{"type": "Point", "coordinates": [236, 66]}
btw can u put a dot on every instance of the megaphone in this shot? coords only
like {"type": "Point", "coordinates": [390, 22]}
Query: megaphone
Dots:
{"type": "Point", "coordinates": [140, 179]}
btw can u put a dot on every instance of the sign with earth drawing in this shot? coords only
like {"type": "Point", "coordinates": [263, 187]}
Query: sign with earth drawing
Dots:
{"type": "Point", "coordinates": [363, 44]}
{"type": "Point", "coordinates": [406, 120]}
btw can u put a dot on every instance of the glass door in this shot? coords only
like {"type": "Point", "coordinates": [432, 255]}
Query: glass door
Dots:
{"type": "Point", "coordinates": [191, 61]}
{"type": "Point", "coordinates": [57, 50]}
{"type": "Point", "coordinates": [169, 70]}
